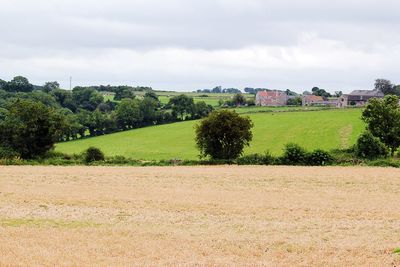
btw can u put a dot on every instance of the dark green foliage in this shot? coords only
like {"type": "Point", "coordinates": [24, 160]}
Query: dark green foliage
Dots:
{"type": "Point", "coordinates": [151, 94]}
{"type": "Point", "coordinates": [93, 154]}
{"type": "Point", "coordinates": [86, 98]}
{"type": "Point", "coordinates": [148, 108]}
{"type": "Point", "coordinates": [31, 128]}
{"type": "Point", "coordinates": [251, 102]}
{"type": "Point", "coordinates": [128, 114]}
{"type": "Point", "coordinates": [319, 158]}
{"type": "Point", "coordinates": [383, 119]}
{"type": "Point", "coordinates": [385, 86]}
{"type": "Point", "coordinates": [294, 154]}
{"type": "Point", "coordinates": [320, 92]}
{"type": "Point", "coordinates": [182, 105]}
{"type": "Point", "coordinates": [64, 98]}
{"type": "Point", "coordinates": [256, 159]}
{"type": "Point", "coordinates": [18, 84]}
{"type": "Point", "coordinates": [124, 93]}
{"type": "Point", "coordinates": [223, 135]}
{"type": "Point", "coordinates": [201, 110]}
{"type": "Point", "coordinates": [50, 86]}
{"type": "Point", "coordinates": [297, 101]}
{"type": "Point", "coordinates": [239, 99]}
{"type": "Point", "coordinates": [370, 147]}
{"type": "Point", "coordinates": [8, 153]}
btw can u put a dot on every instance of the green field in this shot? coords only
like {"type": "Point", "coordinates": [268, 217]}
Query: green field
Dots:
{"type": "Point", "coordinates": [210, 99]}
{"type": "Point", "coordinates": [325, 129]}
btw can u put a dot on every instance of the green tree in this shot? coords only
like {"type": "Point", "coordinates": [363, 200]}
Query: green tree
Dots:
{"type": "Point", "coordinates": [64, 98]}
{"type": "Point", "coordinates": [383, 119]}
{"type": "Point", "coordinates": [50, 86]}
{"type": "Point", "coordinates": [369, 146]}
{"type": "Point", "coordinates": [296, 101]}
{"type": "Point", "coordinates": [385, 86]}
{"type": "Point", "coordinates": [182, 105]}
{"type": "Point", "coordinates": [30, 128]}
{"type": "Point", "coordinates": [239, 99]}
{"type": "Point", "coordinates": [223, 135]}
{"type": "Point", "coordinates": [86, 98]}
{"type": "Point", "coordinates": [148, 108]}
{"type": "Point", "coordinates": [19, 84]}
{"type": "Point", "coordinates": [201, 110]}
{"type": "Point", "coordinates": [122, 93]}
{"type": "Point", "coordinates": [151, 94]}
{"type": "Point", "coordinates": [128, 114]}
{"type": "Point", "coordinates": [3, 84]}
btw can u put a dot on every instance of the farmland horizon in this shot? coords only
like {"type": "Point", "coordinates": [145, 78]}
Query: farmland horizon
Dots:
{"type": "Point", "coordinates": [65, 84]}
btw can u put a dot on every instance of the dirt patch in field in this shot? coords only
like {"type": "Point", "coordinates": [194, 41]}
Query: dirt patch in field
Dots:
{"type": "Point", "coordinates": [345, 134]}
{"type": "Point", "coordinates": [103, 216]}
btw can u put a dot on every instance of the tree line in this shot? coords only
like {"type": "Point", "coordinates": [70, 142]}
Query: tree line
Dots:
{"type": "Point", "coordinates": [33, 118]}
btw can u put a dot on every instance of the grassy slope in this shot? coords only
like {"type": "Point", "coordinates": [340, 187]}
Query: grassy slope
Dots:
{"type": "Point", "coordinates": [324, 129]}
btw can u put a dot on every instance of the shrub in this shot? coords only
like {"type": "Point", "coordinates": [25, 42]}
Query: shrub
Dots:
{"type": "Point", "coordinates": [294, 155]}
{"type": "Point", "coordinates": [8, 153]}
{"type": "Point", "coordinates": [370, 147]}
{"type": "Point", "coordinates": [319, 158]}
{"type": "Point", "coordinates": [93, 154]}
{"type": "Point", "coordinates": [223, 135]}
{"type": "Point", "coordinates": [256, 159]}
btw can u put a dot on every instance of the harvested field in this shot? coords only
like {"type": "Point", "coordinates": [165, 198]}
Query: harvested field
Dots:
{"type": "Point", "coordinates": [230, 215]}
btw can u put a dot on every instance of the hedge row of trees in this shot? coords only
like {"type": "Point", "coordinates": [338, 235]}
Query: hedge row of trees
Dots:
{"type": "Point", "coordinates": [33, 118]}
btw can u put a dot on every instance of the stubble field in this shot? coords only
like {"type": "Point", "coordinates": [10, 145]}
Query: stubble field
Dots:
{"type": "Point", "coordinates": [229, 215]}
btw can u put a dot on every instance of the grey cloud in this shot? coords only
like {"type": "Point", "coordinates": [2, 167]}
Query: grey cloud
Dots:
{"type": "Point", "coordinates": [184, 44]}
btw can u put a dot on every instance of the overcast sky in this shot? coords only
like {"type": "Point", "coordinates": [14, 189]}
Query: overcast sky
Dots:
{"type": "Point", "coordinates": [191, 44]}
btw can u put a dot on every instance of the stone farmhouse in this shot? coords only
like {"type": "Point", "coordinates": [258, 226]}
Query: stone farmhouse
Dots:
{"type": "Point", "coordinates": [271, 98]}
{"type": "Point", "coordinates": [358, 98]}
{"type": "Point", "coordinates": [313, 100]}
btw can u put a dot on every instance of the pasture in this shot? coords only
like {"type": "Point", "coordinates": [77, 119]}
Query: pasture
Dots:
{"type": "Point", "coordinates": [221, 215]}
{"type": "Point", "coordinates": [210, 99]}
{"type": "Point", "coordinates": [324, 129]}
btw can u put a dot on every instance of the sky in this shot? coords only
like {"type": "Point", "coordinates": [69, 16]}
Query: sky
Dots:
{"type": "Point", "coordinates": [185, 45]}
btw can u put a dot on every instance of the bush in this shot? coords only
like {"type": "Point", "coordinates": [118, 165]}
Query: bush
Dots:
{"type": "Point", "coordinates": [319, 158]}
{"type": "Point", "coordinates": [223, 135]}
{"type": "Point", "coordinates": [294, 155]}
{"type": "Point", "coordinates": [370, 147]}
{"type": "Point", "coordinates": [93, 154]}
{"type": "Point", "coordinates": [8, 153]}
{"type": "Point", "coordinates": [256, 159]}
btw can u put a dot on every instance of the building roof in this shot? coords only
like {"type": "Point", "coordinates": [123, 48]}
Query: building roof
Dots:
{"type": "Point", "coordinates": [366, 93]}
{"type": "Point", "coordinates": [313, 98]}
{"type": "Point", "coordinates": [269, 93]}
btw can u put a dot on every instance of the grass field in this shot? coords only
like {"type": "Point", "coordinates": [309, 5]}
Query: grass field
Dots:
{"type": "Point", "coordinates": [210, 99]}
{"type": "Point", "coordinates": [199, 216]}
{"type": "Point", "coordinates": [325, 129]}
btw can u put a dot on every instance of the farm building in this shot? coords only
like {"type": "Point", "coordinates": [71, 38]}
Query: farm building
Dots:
{"type": "Point", "coordinates": [358, 98]}
{"type": "Point", "coordinates": [310, 100]}
{"type": "Point", "coordinates": [271, 98]}
{"type": "Point", "coordinates": [313, 100]}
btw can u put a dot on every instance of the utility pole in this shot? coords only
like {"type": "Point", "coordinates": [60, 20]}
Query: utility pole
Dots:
{"type": "Point", "coordinates": [70, 82]}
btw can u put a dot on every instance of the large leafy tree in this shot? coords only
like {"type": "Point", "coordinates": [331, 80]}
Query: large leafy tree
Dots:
{"type": "Point", "coordinates": [383, 119]}
{"type": "Point", "coordinates": [128, 114]}
{"type": "Point", "coordinates": [19, 84]}
{"type": "Point", "coordinates": [239, 99]}
{"type": "Point", "coordinates": [182, 105]}
{"type": "Point", "coordinates": [50, 86]}
{"type": "Point", "coordinates": [30, 128]}
{"type": "Point", "coordinates": [86, 98]}
{"type": "Point", "coordinates": [123, 92]}
{"type": "Point", "coordinates": [385, 86]}
{"type": "Point", "coordinates": [223, 135]}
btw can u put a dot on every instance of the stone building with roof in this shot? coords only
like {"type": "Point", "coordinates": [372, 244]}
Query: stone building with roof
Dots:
{"type": "Point", "coordinates": [358, 98]}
